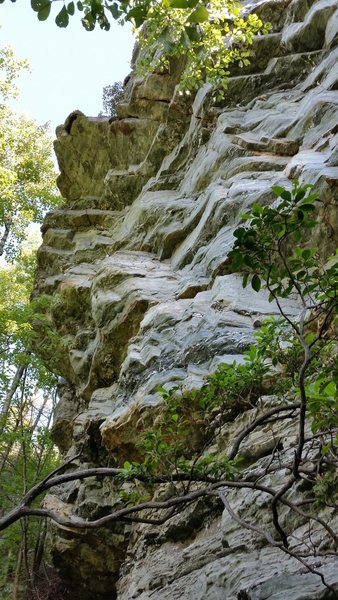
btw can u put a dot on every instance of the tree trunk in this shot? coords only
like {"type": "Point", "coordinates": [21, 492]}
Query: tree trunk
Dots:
{"type": "Point", "coordinates": [5, 235]}
{"type": "Point", "coordinates": [9, 396]}
{"type": "Point", "coordinates": [17, 586]}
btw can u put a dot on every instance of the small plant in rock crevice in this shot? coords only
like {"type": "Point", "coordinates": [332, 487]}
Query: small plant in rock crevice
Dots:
{"type": "Point", "coordinates": [189, 419]}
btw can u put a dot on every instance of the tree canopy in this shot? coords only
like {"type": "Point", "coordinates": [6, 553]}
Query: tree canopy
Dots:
{"type": "Point", "coordinates": [27, 176]}
{"type": "Point", "coordinates": [210, 35]}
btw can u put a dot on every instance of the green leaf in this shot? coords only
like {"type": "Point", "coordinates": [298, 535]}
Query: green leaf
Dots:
{"type": "Point", "coordinates": [256, 209]}
{"type": "Point", "coordinates": [237, 261]}
{"type": "Point", "coordinates": [79, 6]}
{"type": "Point", "coordinates": [179, 4]}
{"type": "Point", "coordinates": [309, 338]}
{"type": "Point", "coordinates": [312, 198]}
{"type": "Point", "coordinates": [184, 40]}
{"type": "Point", "coordinates": [88, 22]}
{"type": "Point", "coordinates": [164, 393]}
{"type": "Point", "coordinates": [192, 34]}
{"type": "Point", "coordinates": [62, 19]}
{"type": "Point", "coordinates": [330, 389]}
{"type": "Point", "coordinates": [38, 5]}
{"type": "Point", "coordinates": [281, 232]}
{"type": "Point", "coordinates": [104, 23]}
{"type": "Point", "coordinates": [278, 190]}
{"type": "Point", "coordinates": [256, 283]}
{"type": "Point", "coordinates": [43, 14]}
{"type": "Point", "coordinates": [239, 232]}
{"type": "Point", "coordinates": [71, 8]}
{"type": "Point", "coordinates": [165, 34]}
{"type": "Point", "coordinates": [138, 14]}
{"type": "Point", "coordinates": [300, 195]}
{"type": "Point", "coordinates": [114, 10]}
{"type": "Point", "coordinates": [308, 207]}
{"type": "Point", "coordinates": [199, 15]}
{"type": "Point", "coordinates": [248, 261]}
{"type": "Point", "coordinates": [286, 195]}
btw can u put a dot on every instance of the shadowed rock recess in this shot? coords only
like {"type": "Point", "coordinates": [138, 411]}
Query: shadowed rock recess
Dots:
{"type": "Point", "coordinates": [136, 264]}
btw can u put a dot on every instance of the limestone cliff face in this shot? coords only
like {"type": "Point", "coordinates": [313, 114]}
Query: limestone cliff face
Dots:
{"type": "Point", "coordinates": [137, 263]}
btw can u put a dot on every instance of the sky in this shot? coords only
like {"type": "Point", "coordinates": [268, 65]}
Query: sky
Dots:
{"type": "Point", "coordinates": [69, 67]}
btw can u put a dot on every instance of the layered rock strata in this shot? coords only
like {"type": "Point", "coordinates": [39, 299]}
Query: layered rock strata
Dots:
{"type": "Point", "coordinates": [136, 264]}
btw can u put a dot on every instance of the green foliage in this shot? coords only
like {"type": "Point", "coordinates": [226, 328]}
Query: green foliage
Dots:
{"type": "Point", "coordinates": [30, 459]}
{"type": "Point", "coordinates": [27, 176]}
{"type": "Point", "coordinates": [186, 424]}
{"type": "Point", "coordinates": [17, 316]}
{"type": "Point", "coordinates": [277, 343]}
{"type": "Point", "coordinates": [112, 96]}
{"type": "Point", "coordinates": [131, 496]}
{"type": "Point", "coordinates": [27, 186]}
{"type": "Point", "coordinates": [236, 386]}
{"type": "Point", "coordinates": [208, 36]}
{"type": "Point", "coordinates": [322, 394]}
{"type": "Point", "coordinates": [10, 67]}
{"type": "Point", "coordinates": [27, 394]}
{"type": "Point", "coordinates": [262, 247]}
{"type": "Point", "coordinates": [265, 252]}
{"type": "Point", "coordinates": [326, 490]}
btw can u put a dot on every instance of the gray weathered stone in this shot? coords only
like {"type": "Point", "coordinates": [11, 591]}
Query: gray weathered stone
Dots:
{"type": "Point", "coordinates": [136, 262]}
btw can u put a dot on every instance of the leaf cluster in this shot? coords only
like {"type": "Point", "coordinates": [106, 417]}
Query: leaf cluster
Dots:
{"type": "Point", "coordinates": [326, 490]}
{"type": "Point", "coordinates": [208, 36]}
{"type": "Point", "coordinates": [322, 394]}
{"type": "Point", "coordinates": [273, 248]}
{"type": "Point", "coordinates": [262, 246]}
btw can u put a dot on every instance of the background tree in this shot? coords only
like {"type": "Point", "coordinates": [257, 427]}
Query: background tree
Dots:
{"type": "Point", "coordinates": [27, 396]}
{"type": "Point", "coordinates": [111, 97]}
{"type": "Point", "coordinates": [27, 389]}
{"type": "Point", "coordinates": [27, 176]}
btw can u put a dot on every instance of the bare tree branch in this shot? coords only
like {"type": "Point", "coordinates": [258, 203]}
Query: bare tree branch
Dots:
{"type": "Point", "coordinates": [271, 541]}
{"type": "Point", "coordinates": [256, 423]}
